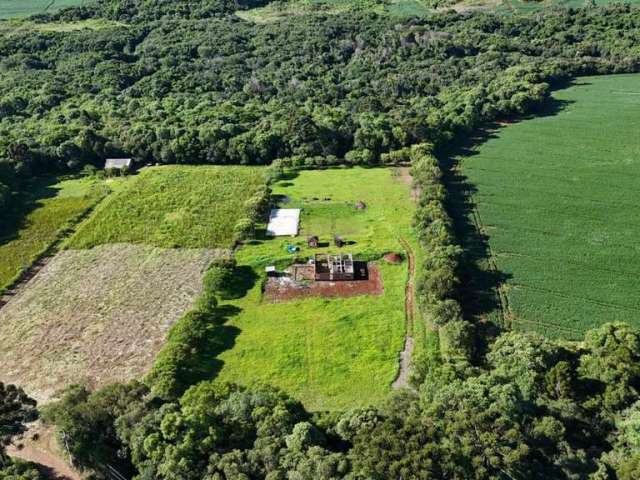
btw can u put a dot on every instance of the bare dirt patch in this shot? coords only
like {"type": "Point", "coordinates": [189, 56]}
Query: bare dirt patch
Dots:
{"type": "Point", "coordinates": [402, 380]}
{"type": "Point", "coordinates": [96, 316]}
{"type": "Point", "coordinates": [298, 283]}
{"type": "Point", "coordinates": [39, 445]}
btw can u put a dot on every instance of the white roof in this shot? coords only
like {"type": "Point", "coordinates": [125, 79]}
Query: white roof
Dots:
{"type": "Point", "coordinates": [283, 221]}
{"type": "Point", "coordinates": [117, 163]}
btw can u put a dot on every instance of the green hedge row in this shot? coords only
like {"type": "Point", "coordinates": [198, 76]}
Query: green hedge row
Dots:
{"type": "Point", "coordinates": [193, 342]}
{"type": "Point", "coordinates": [437, 285]}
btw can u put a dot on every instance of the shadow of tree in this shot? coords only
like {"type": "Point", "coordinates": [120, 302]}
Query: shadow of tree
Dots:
{"type": "Point", "coordinates": [479, 275]}
{"type": "Point", "coordinates": [241, 280]}
{"type": "Point", "coordinates": [22, 203]}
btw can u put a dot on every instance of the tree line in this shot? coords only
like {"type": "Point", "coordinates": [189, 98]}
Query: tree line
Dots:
{"type": "Point", "coordinates": [189, 82]}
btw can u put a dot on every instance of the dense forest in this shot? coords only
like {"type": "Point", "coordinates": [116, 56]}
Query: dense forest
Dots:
{"type": "Point", "coordinates": [535, 410]}
{"type": "Point", "coordinates": [188, 81]}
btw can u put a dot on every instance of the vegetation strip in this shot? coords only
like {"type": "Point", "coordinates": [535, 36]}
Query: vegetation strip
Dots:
{"type": "Point", "coordinates": [569, 235]}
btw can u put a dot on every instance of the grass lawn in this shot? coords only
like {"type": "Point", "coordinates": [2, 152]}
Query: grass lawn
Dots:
{"type": "Point", "coordinates": [330, 353]}
{"type": "Point", "coordinates": [46, 208]}
{"type": "Point", "coordinates": [24, 8]}
{"type": "Point", "coordinates": [174, 206]}
{"type": "Point", "coordinates": [559, 199]}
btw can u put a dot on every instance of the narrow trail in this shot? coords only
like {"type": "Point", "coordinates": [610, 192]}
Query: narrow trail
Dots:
{"type": "Point", "coordinates": [39, 446]}
{"type": "Point", "coordinates": [402, 380]}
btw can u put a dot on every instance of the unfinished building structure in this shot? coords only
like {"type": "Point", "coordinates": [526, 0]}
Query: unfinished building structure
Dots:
{"type": "Point", "coordinates": [333, 267]}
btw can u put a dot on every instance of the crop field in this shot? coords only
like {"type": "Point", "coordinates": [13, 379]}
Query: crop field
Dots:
{"type": "Point", "coordinates": [331, 353]}
{"type": "Point", "coordinates": [174, 207]}
{"type": "Point", "coordinates": [96, 316]}
{"type": "Point", "coordinates": [561, 214]}
{"type": "Point", "coordinates": [49, 207]}
{"type": "Point", "coordinates": [24, 8]}
{"type": "Point", "coordinates": [279, 11]}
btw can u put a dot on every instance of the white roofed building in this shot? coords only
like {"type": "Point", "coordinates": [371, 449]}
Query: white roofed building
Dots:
{"type": "Point", "coordinates": [283, 222]}
{"type": "Point", "coordinates": [117, 163]}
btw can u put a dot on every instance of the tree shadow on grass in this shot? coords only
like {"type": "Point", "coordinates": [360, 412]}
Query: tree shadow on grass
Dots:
{"type": "Point", "coordinates": [218, 337]}
{"type": "Point", "coordinates": [22, 203]}
{"type": "Point", "coordinates": [479, 275]}
{"type": "Point", "coordinates": [241, 280]}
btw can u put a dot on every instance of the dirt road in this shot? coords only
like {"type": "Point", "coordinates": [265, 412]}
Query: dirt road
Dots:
{"type": "Point", "coordinates": [402, 380]}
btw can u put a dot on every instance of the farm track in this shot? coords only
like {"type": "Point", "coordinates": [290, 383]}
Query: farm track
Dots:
{"type": "Point", "coordinates": [505, 309]}
{"type": "Point", "coordinates": [402, 380]}
{"type": "Point", "coordinates": [43, 259]}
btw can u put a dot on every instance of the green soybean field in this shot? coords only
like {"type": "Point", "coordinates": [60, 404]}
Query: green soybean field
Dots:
{"type": "Point", "coordinates": [557, 197]}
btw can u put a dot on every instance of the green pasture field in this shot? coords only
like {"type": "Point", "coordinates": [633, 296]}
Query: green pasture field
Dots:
{"type": "Point", "coordinates": [174, 207]}
{"type": "Point", "coordinates": [278, 11]}
{"type": "Point", "coordinates": [330, 353]}
{"type": "Point", "coordinates": [46, 208]}
{"type": "Point", "coordinates": [558, 197]}
{"type": "Point", "coordinates": [25, 8]}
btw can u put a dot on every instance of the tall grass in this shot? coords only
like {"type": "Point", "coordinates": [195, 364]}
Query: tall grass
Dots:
{"type": "Point", "coordinates": [175, 206]}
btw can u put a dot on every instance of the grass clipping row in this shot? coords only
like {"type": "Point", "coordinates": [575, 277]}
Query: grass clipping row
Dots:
{"type": "Point", "coordinates": [96, 316]}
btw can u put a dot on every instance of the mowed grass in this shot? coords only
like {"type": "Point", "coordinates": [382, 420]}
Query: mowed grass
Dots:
{"type": "Point", "coordinates": [559, 199]}
{"type": "Point", "coordinates": [25, 8]}
{"type": "Point", "coordinates": [39, 217]}
{"type": "Point", "coordinates": [174, 207]}
{"type": "Point", "coordinates": [331, 353]}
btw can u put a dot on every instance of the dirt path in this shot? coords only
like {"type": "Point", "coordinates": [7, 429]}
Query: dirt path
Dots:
{"type": "Point", "coordinates": [39, 446]}
{"type": "Point", "coordinates": [402, 380]}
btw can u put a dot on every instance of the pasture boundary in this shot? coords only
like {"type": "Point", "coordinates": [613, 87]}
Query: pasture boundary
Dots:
{"type": "Point", "coordinates": [505, 310]}
{"type": "Point", "coordinates": [42, 259]}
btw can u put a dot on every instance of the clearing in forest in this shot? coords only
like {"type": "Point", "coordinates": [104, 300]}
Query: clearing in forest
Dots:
{"type": "Point", "coordinates": [96, 316]}
{"type": "Point", "coordinates": [174, 207]}
{"type": "Point", "coordinates": [332, 353]}
{"type": "Point", "coordinates": [558, 198]}
{"type": "Point", "coordinates": [99, 310]}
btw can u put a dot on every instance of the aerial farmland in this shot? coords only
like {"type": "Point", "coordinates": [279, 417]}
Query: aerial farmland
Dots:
{"type": "Point", "coordinates": [560, 214]}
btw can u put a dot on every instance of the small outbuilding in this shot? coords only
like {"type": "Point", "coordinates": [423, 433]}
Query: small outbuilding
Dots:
{"type": "Point", "coordinates": [333, 267]}
{"type": "Point", "coordinates": [313, 242]}
{"type": "Point", "coordinates": [283, 222]}
{"type": "Point", "coordinates": [118, 164]}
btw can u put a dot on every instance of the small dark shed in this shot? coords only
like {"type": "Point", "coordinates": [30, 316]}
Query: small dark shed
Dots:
{"type": "Point", "coordinates": [313, 242]}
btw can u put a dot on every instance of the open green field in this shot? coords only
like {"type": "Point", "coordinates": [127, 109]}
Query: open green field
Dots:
{"type": "Point", "coordinates": [174, 206]}
{"type": "Point", "coordinates": [24, 8]}
{"type": "Point", "coordinates": [278, 11]}
{"type": "Point", "coordinates": [48, 208]}
{"type": "Point", "coordinates": [330, 353]}
{"type": "Point", "coordinates": [558, 197]}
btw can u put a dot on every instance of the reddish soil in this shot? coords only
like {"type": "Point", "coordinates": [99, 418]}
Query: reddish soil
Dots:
{"type": "Point", "coordinates": [393, 257]}
{"type": "Point", "coordinates": [404, 174]}
{"type": "Point", "coordinates": [299, 285]}
{"type": "Point", "coordinates": [42, 449]}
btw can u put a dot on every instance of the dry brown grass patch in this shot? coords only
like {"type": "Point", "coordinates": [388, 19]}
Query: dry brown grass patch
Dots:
{"type": "Point", "coordinates": [96, 316]}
